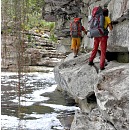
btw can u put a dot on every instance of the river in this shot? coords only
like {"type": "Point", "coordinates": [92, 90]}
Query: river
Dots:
{"type": "Point", "coordinates": [36, 105]}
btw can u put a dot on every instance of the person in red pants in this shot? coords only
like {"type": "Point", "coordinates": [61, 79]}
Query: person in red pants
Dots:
{"type": "Point", "coordinates": [102, 41]}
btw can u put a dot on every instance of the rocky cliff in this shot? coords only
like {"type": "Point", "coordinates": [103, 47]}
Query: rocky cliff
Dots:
{"type": "Point", "coordinates": [103, 97]}
{"type": "Point", "coordinates": [63, 12]}
{"type": "Point", "coordinates": [36, 51]}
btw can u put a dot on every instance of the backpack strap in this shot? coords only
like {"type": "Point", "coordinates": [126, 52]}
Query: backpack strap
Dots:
{"type": "Point", "coordinates": [101, 32]}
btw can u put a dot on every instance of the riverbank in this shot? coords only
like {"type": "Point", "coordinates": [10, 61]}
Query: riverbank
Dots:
{"type": "Point", "coordinates": [23, 57]}
{"type": "Point", "coordinates": [39, 106]}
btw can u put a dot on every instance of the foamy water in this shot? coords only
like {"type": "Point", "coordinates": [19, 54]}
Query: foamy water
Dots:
{"type": "Point", "coordinates": [34, 109]}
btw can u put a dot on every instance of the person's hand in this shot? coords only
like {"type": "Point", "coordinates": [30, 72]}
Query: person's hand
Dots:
{"type": "Point", "coordinates": [86, 32]}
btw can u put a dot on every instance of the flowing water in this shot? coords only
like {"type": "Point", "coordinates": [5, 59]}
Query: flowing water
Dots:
{"type": "Point", "coordinates": [36, 105]}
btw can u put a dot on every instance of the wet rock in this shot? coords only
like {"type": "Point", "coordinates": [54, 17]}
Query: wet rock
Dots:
{"type": "Point", "coordinates": [48, 62]}
{"type": "Point", "coordinates": [66, 120]}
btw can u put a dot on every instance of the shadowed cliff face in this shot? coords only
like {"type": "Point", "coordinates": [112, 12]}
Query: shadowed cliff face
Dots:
{"type": "Point", "coordinates": [64, 9]}
{"type": "Point", "coordinates": [63, 12]}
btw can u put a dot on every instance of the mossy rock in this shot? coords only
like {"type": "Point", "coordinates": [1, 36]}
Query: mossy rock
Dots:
{"type": "Point", "coordinates": [123, 57]}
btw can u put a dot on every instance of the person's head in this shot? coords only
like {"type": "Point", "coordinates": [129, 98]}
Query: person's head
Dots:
{"type": "Point", "coordinates": [105, 12]}
{"type": "Point", "coordinates": [78, 19]}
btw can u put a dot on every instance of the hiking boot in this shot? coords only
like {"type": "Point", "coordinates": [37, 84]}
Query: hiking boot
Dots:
{"type": "Point", "coordinates": [102, 68]}
{"type": "Point", "coordinates": [90, 63]}
{"type": "Point", "coordinates": [106, 63]}
{"type": "Point", "coordinates": [75, 56]}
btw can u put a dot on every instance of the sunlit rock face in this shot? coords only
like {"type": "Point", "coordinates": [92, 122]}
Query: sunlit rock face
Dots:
{"type": "Point", "coordinates": [63, 12]}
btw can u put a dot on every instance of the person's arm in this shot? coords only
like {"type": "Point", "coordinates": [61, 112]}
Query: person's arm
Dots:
{"type": "Point", "coordinates": [83, 29]}
{"type": "Point", "coordinates": [71, 29]}
{"type": "Point", "coordinates": [85, 32]}
{"type": "Point", "coordinates": [109, 23]}
{"type": "Point", "coordinates": [110, 26]}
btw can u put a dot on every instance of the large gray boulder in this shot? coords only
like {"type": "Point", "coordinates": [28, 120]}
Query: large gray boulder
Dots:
{"type": "Point", "coordinates": [106, 91]}
{"type": "Point", "coordinates": [112, 94]}
{"type": "Point", "coordinates": [118, 40]}
{"type": "Point", "coordinates": [76, 77]}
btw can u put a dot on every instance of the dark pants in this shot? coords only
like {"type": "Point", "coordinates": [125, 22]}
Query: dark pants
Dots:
{"type": "Point", "coordinates": [103, 45]}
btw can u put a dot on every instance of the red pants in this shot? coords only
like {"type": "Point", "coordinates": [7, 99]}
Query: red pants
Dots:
{"type": "Point", "coordinates": [103, 46]}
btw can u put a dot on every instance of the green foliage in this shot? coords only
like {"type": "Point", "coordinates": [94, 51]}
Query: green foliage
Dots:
{"type": "Point", "coordinates": [39, 23]}
{"type": "Point", "coordinates": [35, 6]}
{"type": "Point", "coordinates": [28, 13]}
{"type": "Point", "coordinates": [29, 38]}
{"type": "Point", "coordinates": [51, 26]}
{"type": "Point", "coordinates": [53, 38]}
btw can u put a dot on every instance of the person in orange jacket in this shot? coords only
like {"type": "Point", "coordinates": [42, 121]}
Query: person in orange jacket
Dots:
{"type": "Point", "coordinates": [76, 39]}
